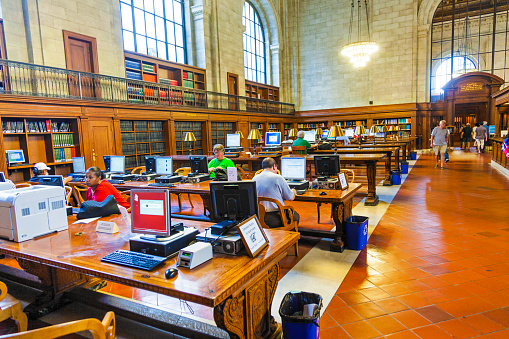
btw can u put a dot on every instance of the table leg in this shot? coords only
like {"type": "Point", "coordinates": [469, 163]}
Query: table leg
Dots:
{"type": "Point", "coordinates": [247, 314]}
{"type": "Point", "coordinates": [207, 205]}
{"type": "Point", "coordinates": [388, 168]}
{"type": "Point", "coordinates": [372, 198]}
{"type": "Point", "coordinates": [397, 159]}
{"type": "Point", "coordinates": [338, 215]}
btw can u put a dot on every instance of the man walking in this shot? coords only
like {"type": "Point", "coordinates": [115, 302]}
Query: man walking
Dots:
{"type": "Point", "coordinates": [439, 138]}
{"type": "Point", "coordinates": [480, 137]}
{"type": "Point", "coordinates": [466, 136]}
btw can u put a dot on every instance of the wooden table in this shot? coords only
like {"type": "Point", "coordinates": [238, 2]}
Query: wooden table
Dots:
{"type": "Point", "coordinates": [240, 289]}
{"type": "Point", "coordinates": [381, 144]}
{"type": "Point", "coordinates": [253, 163]}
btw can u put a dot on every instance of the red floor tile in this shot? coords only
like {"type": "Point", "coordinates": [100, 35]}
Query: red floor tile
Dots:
{"type": "Point", "coordinates": [361, 330]}
{"type": "Point", "coordinates": [431, 332]}
{"type": "Point", "coordinates": [410, 319]}
{"type": "Point", "coordinates": [344, 315]}
{"type": "Point", "coordinates": [458, 329]}
{"type": "Point", "coordinates": [386, 324]}
{"type": "Point", "coordinates": [482, 323]}
{"type": "Point", "coordinates": [368, 310]}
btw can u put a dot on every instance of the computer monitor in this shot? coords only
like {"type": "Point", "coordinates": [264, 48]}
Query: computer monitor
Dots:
{"type": "Point", "coordinates": [325, 134]}
{"type": "Point", "coordinates": [15, 156]}
{"type": "Point", "coordinates": [78, 165]}
{"type": "Point", "coordinates": [164, 166]}
{"type": "Point", "coordinates": [2, 177]}
{"type": "Point", "coordinates": [293, 168]}
{"type": "Point", "coordinates": [150, 164]}
{"type": "Point", "coordinates": [349, 132]}
{"type": "Point", "coordinates": [233, 140]}
{"type": "Point", "coordinates": [114, 163]}
{"type": "Point", "coordinates": [310, 136]}
{"type": "Point", "coordinates": [234, 200]}
{"type": "Point", "coordinates": [327, 165]}
{"type": "Point", "coordinates": [199, 164]}
{"type": "Point", "coordinates": [51, 180]}
{"type": "Point", "coordinates": [150, 213]}
{"type": "Point", "coordinates": [273, 139]}
{"type": "Point", "coordinates": [491, 129]}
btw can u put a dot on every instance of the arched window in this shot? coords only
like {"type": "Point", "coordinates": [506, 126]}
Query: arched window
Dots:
{"type": "Point", "coordinates": [460, 65]}
{"type": "Point", "coordinates": [154, 27]}
{"type": "Point", "coordinates": [254, 45]}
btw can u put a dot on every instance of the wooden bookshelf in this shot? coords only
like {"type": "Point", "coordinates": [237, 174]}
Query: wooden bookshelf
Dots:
{"type": "Point", "coordinates": [286, 130]}
{"type": "Point", "coordinates": [261, 91]}
{"type": "Point", "coordinates": [219, 130]}
{"type": "Point", "coordinates": [141, 138]}
{"type": "Point", "coordinates": [261, 127]}
{"type": "Point", "coordinates": [52, 141]}
{"type": "Point", "coordinates": [308, 126]}
{"type": "Point", "coordinates": [188, 147]}
{"type": "Point", "coordinates": [404, 124]}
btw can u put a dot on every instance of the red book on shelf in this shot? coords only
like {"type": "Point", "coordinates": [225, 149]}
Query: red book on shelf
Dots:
{"type": "Point", "coordinates": [48, 126]}
{"type": "Point", "coordinates": [149, 77]}
{"type": "Point", "coordinates": [73, 152]}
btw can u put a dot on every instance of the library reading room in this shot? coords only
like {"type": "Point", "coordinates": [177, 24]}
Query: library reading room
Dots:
{"type": "Point", "coordinates": [254, 169]}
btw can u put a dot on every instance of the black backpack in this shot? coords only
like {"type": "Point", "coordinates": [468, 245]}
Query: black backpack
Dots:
{"type": "Point", "coordinates": [325, 146]}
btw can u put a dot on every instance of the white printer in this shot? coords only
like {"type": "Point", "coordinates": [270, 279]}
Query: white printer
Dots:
{"type": "Point", "coordinates": [26, 213]}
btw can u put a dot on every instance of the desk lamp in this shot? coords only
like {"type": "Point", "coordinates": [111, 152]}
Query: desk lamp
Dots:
{"type": "Point", "coordinates": [254, 134]}
{"type": "Point", "coordinates": [241, 135]}
{"type": "Point", "coordinates": [373, 130]}
{"type": "Point", "coordinates": [334, 132]}
{"type": "Point", "coordinates": [383, 129]}
{"type": "Point", "coordinates": [397, 129]}
{"type": "Point", "coordinates": [189, 137]}
{"type": "Point", "coordinates": [293, 133]}
{"type": "Point", "coordinates": [360, 130]}
{"type": "Point", "coordinates": [319, 133]}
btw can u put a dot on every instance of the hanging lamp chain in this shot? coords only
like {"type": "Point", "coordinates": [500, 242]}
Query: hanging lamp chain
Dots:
{"type": "Point", "coordinates": [351, 23]}
{"type": "Point", "coordinates": [367, 19]}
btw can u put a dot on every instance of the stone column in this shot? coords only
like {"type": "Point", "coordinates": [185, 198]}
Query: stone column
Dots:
{"type": "Point", "coordinates": [274, 56]}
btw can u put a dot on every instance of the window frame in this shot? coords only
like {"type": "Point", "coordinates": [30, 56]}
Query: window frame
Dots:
{"type": "Point", "coordinates": [259, 73]}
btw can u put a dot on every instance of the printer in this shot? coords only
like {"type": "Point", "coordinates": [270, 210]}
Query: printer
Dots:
{"type": "Point", "coordinates": [26, 213]}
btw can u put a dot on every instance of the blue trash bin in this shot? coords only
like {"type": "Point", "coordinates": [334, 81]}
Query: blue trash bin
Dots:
{"type": "Point", "coordinates": [404, 167]}
{"type": "Point", "coordinates": [356, 229]}
{"type": "Point", "coordinates": [413, 155]}
{"type": "Point", "coordinates": [295, 325]}
{"type": "Point", "coordinates": [396, 177]}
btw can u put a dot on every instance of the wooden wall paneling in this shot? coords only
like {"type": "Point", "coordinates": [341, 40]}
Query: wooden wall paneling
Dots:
{"type": "Point", "coordinates": [118, 138]}
{"type": "Point", "coordinates": [68, 37]}
{"type": "Point", "coordinates": [172, 148]}
{"type": "Point", "coordinates": [3, 159]}
{"type": "Point", "coordinates": [24, 109]}
{"type": "Point", "coordinates": [243, 126]}
{"type": "Point", "coordinates": [167, 138]}
{"type": "Point", "coordinates": [207, 137]}
{"type": "Point", "coordinates": [102, 140]}
{"type": "Point", "coordinates": [86, 148]}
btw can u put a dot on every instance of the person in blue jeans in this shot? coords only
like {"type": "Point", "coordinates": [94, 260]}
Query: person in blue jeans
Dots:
{"type": "Point", "coordinates": [439, 138]}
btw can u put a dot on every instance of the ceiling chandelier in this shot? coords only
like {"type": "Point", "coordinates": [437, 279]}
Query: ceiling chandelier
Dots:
{"type": "Point", "coordinates": [359, 51]}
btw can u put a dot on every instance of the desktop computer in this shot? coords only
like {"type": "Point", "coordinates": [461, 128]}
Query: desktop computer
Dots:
{"type": "Point", "coordinates": [272, 142]}
{"type": "Point", "coordinates": [327, 166]}
{"type": "Point", "coordinates": [233, 143]}
{"type": "Point", "coordinates": [164, 169]}
{"type": "Point", "coordinates": [199, 169]}
{"type": "Point", "coordinates": [115, 168]}
{"type": "Point", "coordinates": [150, 165]}
{"type": "Point", "coordinates": [293, 169]}
{"type": "Point", "coordinates": [78, 169]}
{"type": "Point", "coordinates": [310, 136]}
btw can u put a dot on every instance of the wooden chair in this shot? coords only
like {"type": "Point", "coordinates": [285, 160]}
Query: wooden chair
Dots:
{"type": "Point", "coordinates": [138, 170]}
{"type": "Point", "coordinates": [183, 171]}
{"type": "Point", "coordinates": [23, 184]}
{"type": "Point", "coordinates": [244, 174]}
{"type": "Point", "coordinates": [68, 194]}
{"type": "Point", "coordinates": [350, 177]}
{"type": "Point", "coordinates": [289, 224]}
{"type": "Point", "coordinates": [127, 196]}
{"type": "Point", "coordinates": [299, 150]}
{"type": "Point", "coordinates": [261, 170]}
{"type": "Point", "coordinates": [78, 190]}
{"type": "Point", "coordinates": [10, 307]}
{"type": "Point", "coordinates": [98, 329]}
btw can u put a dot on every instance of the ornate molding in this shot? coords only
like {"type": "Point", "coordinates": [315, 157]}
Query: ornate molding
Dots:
{"type": "Point", "coordinates": [230, 315]}
{"type": "Point", "coordinates": [197, 12]}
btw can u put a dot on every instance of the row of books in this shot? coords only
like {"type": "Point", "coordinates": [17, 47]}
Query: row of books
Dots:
{"type": "Point", "coordinates": [187, 75]}
{"type": "Point", "coordinates": [132, 64]}
{"type": "Point", "coordinates": [148, 67]}
{"type": "Point", "coordinates": [157, 147]}
{"type": "Point", "coordinates": [133, 75]}
{"type": "Point", "coordinates": [61, 140]}
{"type": "Point", "coordinates": [188, 83]}
{"type": "Point", "coordinates": [12, 126]}
{"type": "Point", "coordinates": [64, 154]}
{"type": "Point", "coordinates": [170, 82]}
{"type": "Point", "coordinates": [128, 149]}
{"type": "Point", "coordinates": [312, 125]}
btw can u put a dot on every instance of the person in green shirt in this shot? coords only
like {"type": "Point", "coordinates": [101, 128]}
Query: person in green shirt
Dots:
{"type": "Point", "coordinates": [219, 161]}
{"type": "Point", "coordinates": [301, 142]}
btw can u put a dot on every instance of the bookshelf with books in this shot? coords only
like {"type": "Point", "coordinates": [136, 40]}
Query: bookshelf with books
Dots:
{"type": "Point", "coordinates": [189, 147]}
{"type": "Point", "coordinates": [350, 123]}
{"type": "Point", "coordinates": [309, 126]}
{"type": "Point", "coordinates": [52, 141]}
{"type": "Point", "coordinates": [404, 124]}
{"type": "Point", "coordinates": [219, 130]}
{"type": "Point", "coordinates": [140, 138]}
{"type": "Point", "coordinates": [261, 91]}
{"type": "Point", "coordinates": [286, 130]}
{"type": "Point", "coordinates": [260, 127]}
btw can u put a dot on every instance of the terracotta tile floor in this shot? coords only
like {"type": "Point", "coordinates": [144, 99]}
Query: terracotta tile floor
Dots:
{"type": "Point", "coordinates": [437, 264]}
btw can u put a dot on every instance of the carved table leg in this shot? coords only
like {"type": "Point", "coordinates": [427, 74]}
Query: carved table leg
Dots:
{"type": "Point", "coordinates": [207, 206]}
{"type": "Point", "coordinates": [372, 198]}
{"type": "Point", "coordinates": [388, 167]}
{"type": "Point", "coordinates": [337, 244]}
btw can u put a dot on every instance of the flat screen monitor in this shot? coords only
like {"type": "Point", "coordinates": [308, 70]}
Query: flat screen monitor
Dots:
{"type": "Point", "coordinates": [349, 132]}
{"type": "Point", "coordinates": [310, 136]}
{"type": "Point", "coordinates": [78, 165]}
{"type": "Point", "coordinates": [51, 180]}
{"type": "Point", "coordinates": [199, 164]}
{"type": "Point", "coordinates": [150, 164]}
{"type": "Point", "coordinates": [233, 140]}
{"type": "Point", "coordinates": [2, 177]}
{"type": "Point", "coordinates": [327, 165]}
{"type": "Point", "coordinates": [325, 134]}
{"type": "Point", "coordinates": [491, 129]}
{"type": "Point", "coordinates": [150, 212]}
{"type": "Point", "coordinates": [114, 163]}
{"type": "Point", "coordinates": [293, 168]}
{"type": "Point", "coordinates": [234, 200]}
{"type": "Point", "coordinates": [164, 166]}
{"type": "Point", "coordinates": [15, 156]}
{"type": "Point", "coordinates": [272, 138]}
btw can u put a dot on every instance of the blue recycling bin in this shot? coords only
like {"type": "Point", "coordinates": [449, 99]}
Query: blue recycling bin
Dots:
{"type": "Point", "coordinates": [295, 325]}
{"type": "Point", "coordinates": [404, 167]}
{"type": "Point", "coordinates": [396, 177]}
{"type": "Point", "coordinates": [413, 155]}
{"type": "Point", "coordinates": [356, 229]}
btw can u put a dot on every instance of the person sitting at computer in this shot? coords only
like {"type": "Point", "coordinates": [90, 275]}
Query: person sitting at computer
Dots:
{"type": "Point", "coordinates": [40, 168]}
{"type": "Point", "coordinates": [269, 184]}
{"type": "Point", "coordinates": [219, 161]}
{"type": "Point", "coordinates": [99, 189]}
{"type": "Point", "coordinates": [300, 141]}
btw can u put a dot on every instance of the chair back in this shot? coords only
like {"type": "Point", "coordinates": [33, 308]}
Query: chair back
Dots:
{"type": "Point", "coordinates": [299, 150]}
{"type": "Point", "coordinates": [244, 174]}
{"type": "Point", "coordinates": [350, 175]}
{"type": "Point", "coordinates": [289, 225]}
{"type": "Point", "coordinates": [23, 184]}
{"type": "Point", "coordinates": [68, 193]}
{"type": "Point", "coordinates": [79, 192]}
{"type": "Point", "coordinates": [183, 171]}
{"type": "Point", "coordinates": [138, 170]}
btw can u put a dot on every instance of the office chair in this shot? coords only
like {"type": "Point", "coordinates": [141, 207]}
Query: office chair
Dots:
{"type": "Point", "coordinates": [183, 171]}
{"type": "Point", "coordinates": [127, 197]}
{"type": "Point", "coordinates": [68, 194]}
{"type": "Point", "coordinates": [138, 170]}
{"type": "Point", "coordinates": [243, 173]}
{"type": "Point", "coordinates": [10, 307]}
{"type": "Point", "coordinates": [350, 177]}
{"type": "Point", "coordinates": [289, 224]}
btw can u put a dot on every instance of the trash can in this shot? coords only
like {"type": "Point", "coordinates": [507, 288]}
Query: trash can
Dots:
{"type": "Point", "coordinates": [396, 177]}
{"type": "Point", "coordinates": [413, 155]}
{"type": "Point", "coordinates": [300, 315]}
{"type": "Point", "coordinates": [356, 229]}
{"type": "Point", "coordinates": [404, 167]}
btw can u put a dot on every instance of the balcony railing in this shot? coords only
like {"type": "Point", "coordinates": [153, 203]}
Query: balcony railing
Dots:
{"type": "Point", "coordinates": [20, 78]}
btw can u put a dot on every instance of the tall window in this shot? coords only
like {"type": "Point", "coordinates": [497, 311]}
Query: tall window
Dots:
{"type": "Point", "coordinates": [443, 74]}
{"type": "Point", "coordinates": [254, 45]}
{"type": "Point", "coordinates": [154, 27]}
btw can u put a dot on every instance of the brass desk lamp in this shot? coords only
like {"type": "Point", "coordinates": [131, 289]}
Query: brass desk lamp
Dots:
{"type": "Point", "coordinates": [360, 130]}
{"type": "Point", "coordinates": [293, 133]}
{"type": "Point", "coordinates": [383, 129]}
{"type": "Point", "coordinates": [189, 137]}
{"type": "Point", "coordinates": [254, 134]}
{"type": "Point", "coordinates": [334, 132]}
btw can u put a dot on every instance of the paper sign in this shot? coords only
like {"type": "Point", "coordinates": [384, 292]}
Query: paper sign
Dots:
{"type": "Point", "coordinates": [125, 215]}
{"type": "Point", "coordinates": [342, 181]}
{"type": "Point", "coordinates": [232, 173]}
{"type": "Point", "coordinates": [252, 235]}
{"type": "Point", "coordinates": [106, 227]}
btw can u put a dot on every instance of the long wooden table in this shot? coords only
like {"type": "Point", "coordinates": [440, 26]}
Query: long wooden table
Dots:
{"type": "Point", "coordinates": [239, 288]}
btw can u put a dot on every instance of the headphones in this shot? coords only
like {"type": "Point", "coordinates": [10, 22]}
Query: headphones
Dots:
{"type": "Point", "coordinates": [36, 171]}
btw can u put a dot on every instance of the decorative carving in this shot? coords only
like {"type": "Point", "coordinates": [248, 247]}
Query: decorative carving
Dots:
{"type": "Point", "coordinates": [338, 216]}
{"type": "Point", "coordinates": [229, 315]}
{"type": "Point", "coordinates": [371, 168]}
{"type": "Point", "coordinates": [257, 303]}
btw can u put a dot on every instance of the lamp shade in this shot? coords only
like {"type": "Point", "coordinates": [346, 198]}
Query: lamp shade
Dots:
{"type": "Point", "coordinates": [189, 137]}
{"type": "Point", "coordinates": [360, 130]}
{"type": "Point", "coordinates": [335, 131]}
{"type": "Point", "coordinates": [254, 135]}
{"type": "Point", "coordinates": [319, 131]}
{"type": "Point", "coordinates": [293, 133]}
{"type": "Point", "coordinates": [373, 129]}
{"type": "Point", "coordinates": [241, 135]}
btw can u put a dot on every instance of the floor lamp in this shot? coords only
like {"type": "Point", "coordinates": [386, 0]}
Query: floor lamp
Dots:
{"type": "Point", "coordinates": [360, 130]}
{"type": "Point", "coordinates": [335, 132]}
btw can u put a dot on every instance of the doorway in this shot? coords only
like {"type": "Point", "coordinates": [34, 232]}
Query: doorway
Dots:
{"type": "Point", "coordinates": [233, 90]}
{"type": "Point", "coordinates": [468, 113]}
{"type": "Point", "coordinates": [102, 142]}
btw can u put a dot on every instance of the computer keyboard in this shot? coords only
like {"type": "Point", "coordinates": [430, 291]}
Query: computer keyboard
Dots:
{"type": "Point", "coordinates": [161, 184]}
{"type": "Point", "coordinates": [134, 259]}
{"type": "Point", "coordinates": [115, 181]}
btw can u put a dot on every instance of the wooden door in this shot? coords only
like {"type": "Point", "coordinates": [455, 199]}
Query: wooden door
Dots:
{"type": "Point", "coordinates": [81, 56]}
{"type": "Point", "coordinates": [233, 89]}
{"type": "Point", "coordinates": [102, 141]}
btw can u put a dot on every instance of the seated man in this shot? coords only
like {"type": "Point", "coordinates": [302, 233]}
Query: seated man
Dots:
{"type": "Point", "coordinates": [269, 184]}
{"type": "Point", "coordinates": [40, 168]}
{"type": "Point", "coordinates": [301, 142]}
{"type": "Point", "coordinates": [219, 161]}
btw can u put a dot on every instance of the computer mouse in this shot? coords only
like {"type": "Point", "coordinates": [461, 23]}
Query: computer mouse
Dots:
{"type": "Point", "coordinates": [171, 273]}
{"type": "Point", "coordinates": [323, 193]}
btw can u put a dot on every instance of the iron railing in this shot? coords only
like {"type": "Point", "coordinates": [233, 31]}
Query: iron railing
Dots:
{"type": "Point", "coordinates": [20, 78]}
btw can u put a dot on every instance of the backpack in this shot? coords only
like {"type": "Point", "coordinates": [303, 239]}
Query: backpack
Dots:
{"type": "Point", "coordinates": [325, 146]}
{"type": "Point", "coordinates": [221, 174]}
